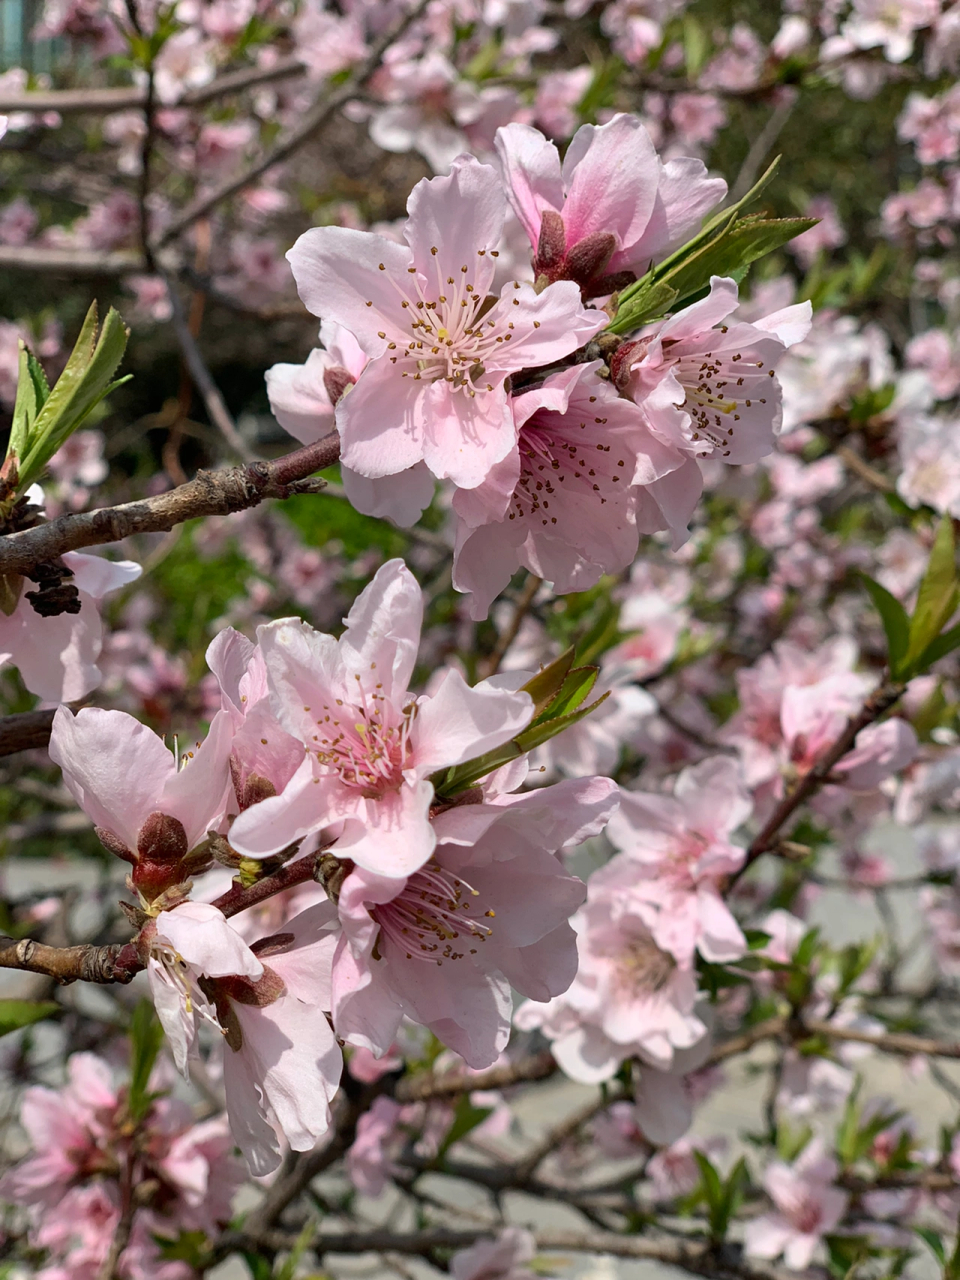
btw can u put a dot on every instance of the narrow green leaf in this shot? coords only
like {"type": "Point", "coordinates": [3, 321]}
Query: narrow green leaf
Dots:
{"type": "Point", "coordinates": [731, 251]}
{"type": "Point", "coordinates": [712, 1190]}
{"type": "Point", "coordinates": [25, 409]}
{"type": "Point", "coordinates": [649, 303]}
{"type": "Point", "coordinates": [146, 1039]}
{"type": "Point", "coordinates": [573, 692]}
{"type": "Point", "coordinates": [896, 622]}
{"type": "Point", "coordinates": [938, 594]}
{"type": "Point", "coordinates": [15, 1014]}
{"type": "Point", "coordinates": [945, 643]}
{"type": "Point", "coordinates": [537, 734]}
{"type": "Point", "coordinates": [546, 684]}
{"type": "Point", "coordinates": [85, 381]}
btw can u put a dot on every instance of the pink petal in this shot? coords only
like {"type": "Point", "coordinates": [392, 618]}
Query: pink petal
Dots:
{"type": "Point", "coordinates": [266, 828]}
{"type": "Point", "coordinates": [401, 498]}
{"type": "Point", "coordinates": [461, 213]}
{"type": "Point", "coordinates": [393, 836]}
{"type": "Point", "coordinates": [685, 194]}
{"type": "Point", "coordinates": [485, 560]}
{"type": "Point", "coordinates": [457, 723]}
{"type": "Point", "coordinates": [114, 767]}
{"type": "Point", "coordinates": [205, 939]}
{"type": "Point", "coordinates": [694, 321]}
{"type": "Point", "coordinates": [381, 421]}
{"type": "Point", "coordinates": [337, 271]}
{"type": "Point", "coordinates": [383, 631]}
{"type": "Point", "coordinates": [97, 576]}
{"type": "Point", "coordinates": [298, 397]}
{"type": "Point", "coordinates": [611, 173]}
{"type": "Point", "coordinates": [531, 171]}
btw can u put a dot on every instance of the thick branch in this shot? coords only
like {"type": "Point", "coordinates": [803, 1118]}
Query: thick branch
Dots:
{"type": "Point", "coordinates": [879, 702]}
{"type": "Point", "coordinates": [25, 730]}
{"type": "Point", "coordinates": [209, 493]}
{"type": "Point", "coordinates": [315, 120]}
{"type": "Point", "coordinates": [117, 962]}
{"type": "Point", "coordinates": [103, 101]}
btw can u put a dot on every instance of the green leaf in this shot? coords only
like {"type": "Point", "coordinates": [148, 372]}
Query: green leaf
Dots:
{"type": "Point", "coordinates": [465, 1119]}
{"type": "Point", "coordinates": [696, 47]}
{"type": "Point", "coordinates": [576, 688]}
{"type": "Point", "coordinates": [32, 393]}
{"type": "Point", "coordinates": [935, 1242]}
{"type": "Point", "coordinates": [548, 681]}
{"type": "Point", "coordinates": [649, 303]}
{"type": "Point", "coordinates": [85, 381]}
{"type": "Point", "coordinates": [15, 1014]}
{"type": "Point", "coordinates": [938, 595]}
{"type": "Point", "coordinates": [712, 1186]}
{"type": "Point", "coordinates": [944, 644]}
{"type": "Point", "coordinates": [544, 730]}
{"type": "Point", "coordinates": [896, 622]}
{"type": "Point", "coordinates": [146, 1038]}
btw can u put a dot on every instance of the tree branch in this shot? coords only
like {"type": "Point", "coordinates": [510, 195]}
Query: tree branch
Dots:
{"type": "Point", "coordinates": [103, 101]}
{"type": "Point", "coordinates": [322, 112]}
{"type": "Point", "coordinates": [539, 1066]}
{"type": "Point", "coordinates": [25, 730]}
{"type": "Point", "coordinates": [209, 493]}
{"type": "Point", "coordinates": [117, 962]}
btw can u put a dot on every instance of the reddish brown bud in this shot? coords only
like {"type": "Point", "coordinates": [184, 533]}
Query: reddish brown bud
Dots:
{"type": "Point", "coordinates": [552, 244]}
{"type": "Point", "coordinates": [256, 789]}
{"type": "Point", "coordinates": [336, 379]}
{"type": "Point", "coordinates": [600, 286]}
{"type": "Point", "coordinates": [162, 838]}
{"type": "Point", "coordinates": [113, 844]}
{"type": "Point", "coordinates": [589, 258]}
{"type": "Point", "coordinates": [622, 361]}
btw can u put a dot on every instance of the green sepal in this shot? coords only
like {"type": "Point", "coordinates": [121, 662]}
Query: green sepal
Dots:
{"type": "Point", "coordinates": [15, 1014]}
{"type": "Point", "coordinates": [548, 681]}
{"type": "Point", "coordinates": [32, 393]}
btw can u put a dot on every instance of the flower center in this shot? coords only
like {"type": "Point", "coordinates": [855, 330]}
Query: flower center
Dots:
{"type": "Point", "coordinates": [436, 917]}
{"type": "Point", "coordinates": [719, 387]}
{"type": "Point", "coordinates": [643, 968]}
{"type": "Point", "coordinates": [183, 979]}
{"type": "Point", "coordinates": [552, 460]}
{"type": "Point", "coordinates": [366, 743]}
{"type": "Point", "coordinates": [451, 336]}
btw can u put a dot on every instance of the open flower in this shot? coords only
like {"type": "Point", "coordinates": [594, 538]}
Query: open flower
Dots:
{"type": "Point", "coordinates": [561, 503]}
{"type": "Point", "coordinates": [708, 387]}
{"type": "Point", "coordinates": [611, 208]}
{"type": "Point", "coordinates": [281, 1062]}
{"type": "Point", "coordinates": [629, 998]}
{"type": "Point", "coordinates": [676, 851]}
{"type": "Point", "coordinates": [439, 355]}
{"type": "Point", "coordinates": [371, 745]}
{"type": "Point", "coordinates": [808, 1207]}
{"type": "Point", "coordinates": [490, 910]}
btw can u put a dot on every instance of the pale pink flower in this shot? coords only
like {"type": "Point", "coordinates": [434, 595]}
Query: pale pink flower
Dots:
{"type": "Point", "coordinates": [611, 207]}
{"type": "Point", "coordinates": [433, 389]}
{"type": "Point", "coordinates": [561, 503]}
{"type": "Point", "coordinates": [57, 656]}
{"type": "Point", "coordinates": [282, 1064]}
{"type": "Point", "coordinates": [676, 853]}
{"type": "Point", "coordinates": [490, 910]}
{"type": "Point", "coordinates": [558, 93]}
{"type": "Point", "coordinates": [930, 466]}
{"type": "Point", "coordinates": [697, 117]}
{"type": "Point", "coordinates": [369, 1163]}
{"type": "Point", "coordinates": [936, 352]}
{"type": "Point", "coordinates": [876, 23]}
{"type": "Point", "coordinates": [367, 765]}
{"type": "Point", "coordinates": [738, 65]}
{"type": "Point", "coordinates": [150, 808]}
{"type": "Point", "coordinates": [629, 998]}
{"type": "Point", "coordinates": [808, 1207]}
{"type": "Point", "coordinates": [18, 222]}
{"type": "Point", "coordinates": [708, 387]}
{"type": "Point", "coordinates": [499, 1259]}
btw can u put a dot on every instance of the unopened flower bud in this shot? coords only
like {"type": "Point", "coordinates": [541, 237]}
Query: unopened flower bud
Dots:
{"type": "Point", "coordinates": [336, 380]}
{"type": "Point", "coordinates": [162, 838]}
{"type": "Point", "coordinates": [589, 258]}
{"type": "Point", "coordinates": [623, 360]}
{"type": "Point", "coordinates": [552, 244]}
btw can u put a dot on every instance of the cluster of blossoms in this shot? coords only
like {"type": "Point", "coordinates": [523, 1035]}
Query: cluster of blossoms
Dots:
{"type": "Point", "coordinates": [432, 909]}
{"type": "Point", "coordinates": [559, 472]}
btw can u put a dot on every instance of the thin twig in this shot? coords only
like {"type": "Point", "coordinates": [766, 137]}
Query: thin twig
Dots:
{"type": "Point", "coordinates": [760, 147]}
{"type": "Point", "coordinates": [103, 101]}
{"type": "Point", "coordinates": [420, 1088]}
{"type": "Point", "coordinates": [879, 702]}
{"type": "Point", "coordinates": [209, 493]}
{"type": "Point", "coordinates": [295, 138]}
{"type": "Point", "coordinates": [202, 378]}
{"type": "Point", "coordinates": [509, 633]}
